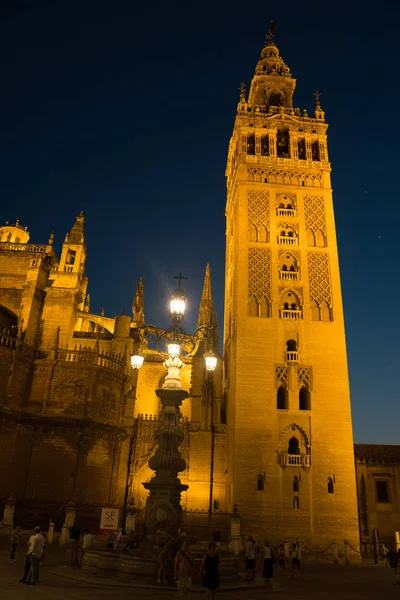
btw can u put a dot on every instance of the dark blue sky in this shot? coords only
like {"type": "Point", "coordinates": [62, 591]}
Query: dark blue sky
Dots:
{"type": "Point", "coordinates": [126, 112]}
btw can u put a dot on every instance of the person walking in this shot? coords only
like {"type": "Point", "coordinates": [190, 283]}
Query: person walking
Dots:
{"type": "Point", "coordinates": [269, 561]}
{"type": "Point", "coordinates": [384, 551]}
{"type": "Point", "coordinates": [183, 571]}
{"type": "Point", "coordinates": [295, 562]}
{"type": "Point", "coordinates": [250, 558]}
{"type": "Point", "coordinates": [15, 539]}
{"type": "Point", "coordinates": [209, 571]}
{"type": "Point", "coordinates": [27, 566]}
{"type": "Point", "coordinates": [73, 546]}
{"type": "Point", "coordinates": [37, 545]}
{"type": "Point", "coordinates": [393, 559]}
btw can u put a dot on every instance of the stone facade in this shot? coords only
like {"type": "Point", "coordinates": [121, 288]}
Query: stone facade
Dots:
{"type": "Point", "coordinates": [290, 445]}
{"type": "Point", "coordinates": [378, 486]}
{"type": "Point", "coordinates": [71, 407]}
{"type": "Point", "coordinates": [269, 431]}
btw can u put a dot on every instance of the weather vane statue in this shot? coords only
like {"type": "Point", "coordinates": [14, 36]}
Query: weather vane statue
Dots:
{"type": "Point", "coordinates": [317, 96]}
{"type": "Point", "coordinates": [269, 40]}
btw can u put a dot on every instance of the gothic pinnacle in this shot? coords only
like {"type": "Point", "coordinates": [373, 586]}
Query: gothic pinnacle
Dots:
{"type": "Point", "coordinates": [206, 310]}
{"type": "Point", "coordinates": [269, 40]}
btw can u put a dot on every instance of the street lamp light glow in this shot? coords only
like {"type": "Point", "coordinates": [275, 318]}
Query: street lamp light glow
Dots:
{"type": "Point", "coordinates": [137, 360]}
{"type": "Point", "coordinates": [177, 306]}
{"type": "Point", "coordinates": [211, 361]}
{"type": "Point", "coordinates": [174, 349]}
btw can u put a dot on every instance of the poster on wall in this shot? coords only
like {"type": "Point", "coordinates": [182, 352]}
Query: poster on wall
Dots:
{"type": "Point", "coordinates": [109, 520]}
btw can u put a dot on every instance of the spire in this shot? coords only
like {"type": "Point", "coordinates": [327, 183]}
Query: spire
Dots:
{"type": "Point", "coordinates": [206, 311]}
{"type": "Point", "coordinates": [76, 235]}
{"type": "Point", "coordinates": [269, 40]}
{"type": "Point", "coordinates": [138, 303]}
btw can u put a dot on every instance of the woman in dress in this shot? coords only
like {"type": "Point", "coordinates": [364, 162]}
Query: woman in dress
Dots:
{"type": "Point", "coordinates": [209, 568]}
{"type": "Point", "coordinates": [183, 571]}
{"type": "Point", "coordinates": [269, 560]}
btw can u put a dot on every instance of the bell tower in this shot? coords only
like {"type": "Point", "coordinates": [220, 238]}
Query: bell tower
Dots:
{"type": "Point", "coordinates": [290, 444]}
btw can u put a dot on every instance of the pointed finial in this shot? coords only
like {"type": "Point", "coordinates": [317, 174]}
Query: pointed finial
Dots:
{"type": "Point", "coordinates": [317, 96]}
{"type": "Point", "coordinates": [102, 311]}
{"type": "Point", "coordinates": [206, 310]}
{"type": "Point", "coordinates": [242, 92]}
{"type": "Point", "coordinates": [51, 238]}
{"type": "Point", "coordinates": [138, 303]}
{"type": "Point", "coordinates": [269, 40]}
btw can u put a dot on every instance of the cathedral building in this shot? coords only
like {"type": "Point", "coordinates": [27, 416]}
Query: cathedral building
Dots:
{"type": "Point", "coordinates": [268, 435]}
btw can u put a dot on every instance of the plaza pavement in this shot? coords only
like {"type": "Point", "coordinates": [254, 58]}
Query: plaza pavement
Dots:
{"type": "Point", "coordinates": [318, 582]}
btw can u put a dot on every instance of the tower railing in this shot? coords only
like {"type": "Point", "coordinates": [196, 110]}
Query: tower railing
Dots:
{"type": "Point", "coordinates": [292, 356]}
{"type": "Point", "coordinates": [17, 246]}
{"type": "Point", "coordinates": [286, 212]}
{"type": "Point", "coordinates": [287, 240]}
{"type": "Point", "coordinates": [294, 460]}
{"type": "Point", "coordinates": [292, 275]}
{"type": "Point", "coordinates": [291, 314]}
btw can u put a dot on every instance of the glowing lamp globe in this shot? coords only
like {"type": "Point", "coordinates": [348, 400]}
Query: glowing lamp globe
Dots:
{"type": "Point", "coordinates": [178, 305]}
{"type": "Point", "coordinates": [174, 349]}
{"type": "Point", "coordinates": [137, 361]}
{"type": "Point", "coordinates": [211, 361]}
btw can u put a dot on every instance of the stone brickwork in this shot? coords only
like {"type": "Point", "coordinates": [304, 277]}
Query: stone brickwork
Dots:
{"type": "Point", "coordinates": [273, 437]}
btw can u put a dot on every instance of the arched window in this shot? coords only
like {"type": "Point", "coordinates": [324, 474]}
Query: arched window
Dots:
{"type": "Point", "coordinates": [17, 240]}
{"type": "Point", "coordinates": [264, 308]}
{"type": "Point", "coordinates": [286, 305]}
{"type": "Point", "coordinates": [264, 145]}
{"type": "Point", "coordinates": [302, 149]}
{"type": "Point", "coordinates": [304, 398]}
{"type": "Point", "coordinates": [282, 143]}
{"type": "Point", "coordinates": [251, 144]}
{"type": "Point", "coordinates": [294, 447]}
{"type": "Point", "coordinates": [314, 311]}
{"type": "Point", "coordinates": [260, 483]}
{"type": "Point", "coordinates": [296, 502]}
{"type": "Point", "coordinates": [315, 150]}
{"type": "Point", "coordinates": [331, 486]}
{"type": "Point", "coordinates": [325, 312]}
{"type": "Point", "coordinates": [252, 307]}
{"type": "Point", "coordinates": [275, 99]}
{"type": "Point", "coordinates": [253, 233]}
{"type": "Point", "coordinates": [291, 346]}
{"type": "Point", "coordinates": [296, 484]}
{"type": "Point", "coordinates": [282, 398]}
{"type": "Point", "coordinates": [319, 238]}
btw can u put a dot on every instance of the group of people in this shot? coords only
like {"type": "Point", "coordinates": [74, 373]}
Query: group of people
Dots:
{"type": "Point", "coordinates": [271, 557]}
{"type": "Point", "coordinates": [34, 554]}
{"type": "Point", "coordinates": [178, 555]}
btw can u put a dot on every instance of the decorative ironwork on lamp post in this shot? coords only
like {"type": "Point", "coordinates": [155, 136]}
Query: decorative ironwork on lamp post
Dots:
{"type": "Point", "coordinates": [163, 509]}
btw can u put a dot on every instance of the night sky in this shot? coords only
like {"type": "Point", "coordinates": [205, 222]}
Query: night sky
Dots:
{"type": "Point", "coordinates": [125, 112]}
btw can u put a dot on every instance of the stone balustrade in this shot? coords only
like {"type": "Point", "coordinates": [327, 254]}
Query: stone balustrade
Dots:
{"type": "Point", "coordinates": [292, 275]}
{"type": "Point", "coordinates": [294, 460]}
{"type": "Point", "coordinates": [291, 314]}
{"type": "Point", "coordinates": [287, 240]}
{"type": "Point", "coordinates": [286, 212]}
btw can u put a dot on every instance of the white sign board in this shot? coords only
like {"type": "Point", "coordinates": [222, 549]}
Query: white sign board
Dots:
{"type": "Point", "coordinates": [109, 520]}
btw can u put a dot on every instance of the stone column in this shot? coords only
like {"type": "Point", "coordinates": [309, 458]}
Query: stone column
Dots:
{"type": "Point", "coordinates": [163, 512]}
{"type": "Point", "coordinates": [64, 534]}
{"type": "Point", "coordinates": [50, 533]}
{"type": "Point", "coordinates": [8, 514]}
{"type": "Point", "coordinates": [397, 540]}
{"type": "Point", "coordinates": [70, 509]}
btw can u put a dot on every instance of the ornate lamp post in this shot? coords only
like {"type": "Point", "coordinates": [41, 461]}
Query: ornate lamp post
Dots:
{"type": "Point", "coordinates": [163, 510]}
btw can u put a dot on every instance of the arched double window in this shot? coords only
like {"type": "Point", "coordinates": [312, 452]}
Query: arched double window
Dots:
{"type": "Point", "coordinates": [282, 398]}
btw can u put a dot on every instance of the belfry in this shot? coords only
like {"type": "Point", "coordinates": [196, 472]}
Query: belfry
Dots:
{"type": "Point", "coordinates": [290, 443]}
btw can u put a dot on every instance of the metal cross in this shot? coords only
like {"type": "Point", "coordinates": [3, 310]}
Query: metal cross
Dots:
{"type": "Point", "coordinates": [180, 277]}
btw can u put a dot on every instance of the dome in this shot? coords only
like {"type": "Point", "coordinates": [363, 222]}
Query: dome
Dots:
{"type": "Point", "coordinates": [14, 233]}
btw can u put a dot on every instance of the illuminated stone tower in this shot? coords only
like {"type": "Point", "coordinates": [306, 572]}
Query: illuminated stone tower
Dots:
{"type": "Point", "coordinates": [291, 457]}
